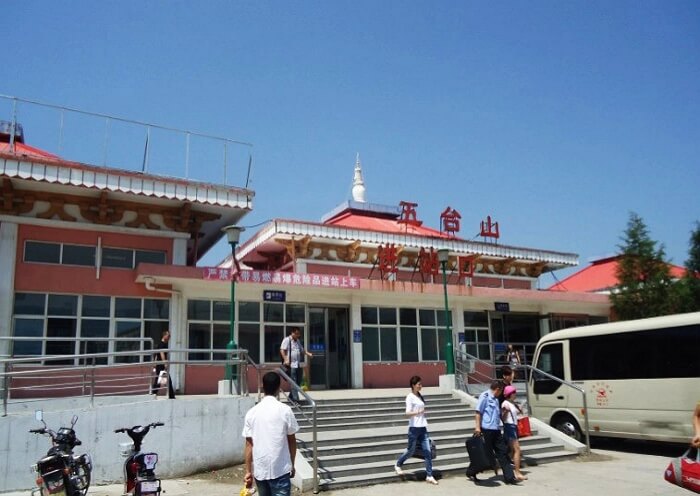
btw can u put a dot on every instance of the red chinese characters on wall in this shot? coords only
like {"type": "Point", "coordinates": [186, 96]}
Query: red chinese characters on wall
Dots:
{"type": "Point", "coordinates": [409, 215]}
{"type": "Point", "coordinates": [450, 221]}
{"type": "Point", "coordinates": [428, 263]}
{"type": "Point", "coordinates": [387, 259]}
{"type": "Point", "coordinates": [466, 265]}
{"type": "Point", "coordinates": [489, 229]}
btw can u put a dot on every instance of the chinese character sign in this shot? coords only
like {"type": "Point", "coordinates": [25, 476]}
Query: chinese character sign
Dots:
{"type": "Point", "coordinates": [466, 266]}
{"type": "Point", "coordinates": [428, 262]}
{"type": "Point", "coordinates": [284, 278]}
{"type": "Point", "coordinates": [408, 214]}
{"type": "Point", "coordinates": [387, 259]}
{"type": "Point", "coordinates": [449, 220]}
{"type": "Point", "coordinates": [489, 229]}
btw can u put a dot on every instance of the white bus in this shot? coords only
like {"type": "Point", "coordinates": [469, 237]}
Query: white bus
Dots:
{"type": "Point", "coordinates": [641, 378]}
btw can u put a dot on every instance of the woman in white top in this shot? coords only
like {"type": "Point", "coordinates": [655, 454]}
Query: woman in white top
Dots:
{"type": "Point", "coordinates": [509, 415]}
{"type": "Point", "coordinates": [417, 430]}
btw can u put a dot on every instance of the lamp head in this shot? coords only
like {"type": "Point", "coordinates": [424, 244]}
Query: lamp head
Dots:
{"type": "Point", "coordinates": [443, 255]}
{"type": "Point", "coordinates": [233, 233]}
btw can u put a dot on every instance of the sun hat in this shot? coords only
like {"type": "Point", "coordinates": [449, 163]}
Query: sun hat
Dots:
{"type": "Point", "coordinates": [508, 391]}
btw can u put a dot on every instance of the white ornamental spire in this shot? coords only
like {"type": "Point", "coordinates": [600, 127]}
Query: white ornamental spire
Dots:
{"type": "Point", "coordinates": [358, 185]}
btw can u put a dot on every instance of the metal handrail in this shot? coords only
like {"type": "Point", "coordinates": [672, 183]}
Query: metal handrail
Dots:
{"type": "Point", "coordinates": [461, 356]}
{"type": "Point", "coordinates": [571, 385]}
{"type": "Point", "coordinates": [236, 357]}
{"type": "Point", "coordinates": [314, 425]}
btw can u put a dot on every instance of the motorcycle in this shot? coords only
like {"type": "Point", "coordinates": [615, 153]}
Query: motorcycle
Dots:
{"type": "Point", "coordinates": [139, 468]}
{"type": "Point", "coordinates": [60, 472]}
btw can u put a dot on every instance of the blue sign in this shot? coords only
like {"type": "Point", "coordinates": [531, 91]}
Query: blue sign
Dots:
{"type": "Point", "coordinates": [502, 306]}
{"type": "Point", "coordinates": [357, 336]}
{"type": "Point", "coordinates": [269, 295]}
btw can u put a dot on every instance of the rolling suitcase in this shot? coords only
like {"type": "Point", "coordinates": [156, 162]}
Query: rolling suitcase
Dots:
{"type": "Point", "coordinates": [479, 457]}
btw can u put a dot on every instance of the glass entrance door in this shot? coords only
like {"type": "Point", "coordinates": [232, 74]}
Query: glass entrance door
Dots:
{"type": "Point", "coordinates": [329, 342]}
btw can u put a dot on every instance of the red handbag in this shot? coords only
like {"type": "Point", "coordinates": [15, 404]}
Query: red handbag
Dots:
{"type": "Point", "coordinates": [524, 429]}
{"type": "Point", "coordinates": [684, 471]}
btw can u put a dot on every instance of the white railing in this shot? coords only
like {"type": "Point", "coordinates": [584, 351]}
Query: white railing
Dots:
{"type": "Point", "coordinates": [101, 139]}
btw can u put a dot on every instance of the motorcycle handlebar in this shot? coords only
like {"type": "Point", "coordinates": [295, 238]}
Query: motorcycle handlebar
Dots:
{"type": "Point", "coordinates": [37, 431]}
{"type": "Point", "coordinates": [127, 429]}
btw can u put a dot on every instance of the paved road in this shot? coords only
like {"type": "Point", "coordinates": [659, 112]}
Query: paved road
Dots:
{"type": "Point", "coordinates": [604, 473]}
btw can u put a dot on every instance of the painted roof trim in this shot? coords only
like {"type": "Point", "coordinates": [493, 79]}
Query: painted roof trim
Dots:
{"type": "Point", "coordinates": [297, 228]}
{"type": "Point", "coordinates": [107, 179]}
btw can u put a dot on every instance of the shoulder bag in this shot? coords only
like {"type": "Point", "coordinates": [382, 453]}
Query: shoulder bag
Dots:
{"type": "Point", "coordinates": [419, 453]}
{"type": "Point", "coordinates": [524, 429]}
{"type": "Point", "coordinates": [684, 471]}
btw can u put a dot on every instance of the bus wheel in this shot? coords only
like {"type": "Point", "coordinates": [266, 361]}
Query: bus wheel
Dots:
{"type": "Point", "coordinates": [568, 425]}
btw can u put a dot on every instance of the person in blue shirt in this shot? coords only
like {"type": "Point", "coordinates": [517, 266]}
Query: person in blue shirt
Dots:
{"type": "Point", "coordinates": [488, 424]}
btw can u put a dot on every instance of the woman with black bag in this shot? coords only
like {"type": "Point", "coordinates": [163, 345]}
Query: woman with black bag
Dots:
{"type": "Point", "coordinates": [417, 430]}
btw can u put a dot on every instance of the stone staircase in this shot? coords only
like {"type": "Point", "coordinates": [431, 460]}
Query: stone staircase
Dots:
{"type": "Point", "coordinates": [359, 440]}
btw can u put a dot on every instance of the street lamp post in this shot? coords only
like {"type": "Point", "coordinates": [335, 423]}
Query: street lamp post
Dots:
{"type": "Point", "coordinates": [443, 257]}
{"type": "Point", "coordinates": [233, 234]}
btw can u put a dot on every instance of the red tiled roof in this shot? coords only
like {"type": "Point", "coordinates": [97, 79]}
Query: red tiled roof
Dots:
{"type": "Point", "coordinates": [600, 276]}
{"type": "Point", "coordinates": [26, 150]}
{"type": "Point", "coordinates": [382, 224]}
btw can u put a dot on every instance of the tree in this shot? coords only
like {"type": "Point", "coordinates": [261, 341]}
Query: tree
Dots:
{"type": "Point", "coordinates": [688, 288]}
{"type": "Point", "coordinates": [643, 275]}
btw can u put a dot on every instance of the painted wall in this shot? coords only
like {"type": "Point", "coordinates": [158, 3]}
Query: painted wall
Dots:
{"type": "Point", "coordinates": [50, 278]}
{"type": "Point", "coordinates": [199, 434]}
{"type": "Point", "coordinates": [380, 375]}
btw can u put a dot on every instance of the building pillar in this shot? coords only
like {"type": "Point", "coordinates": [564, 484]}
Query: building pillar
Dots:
{"type": "Point", "coordinates": [356, 348]}
{"type": "Point", "coordinates": [8, 258]}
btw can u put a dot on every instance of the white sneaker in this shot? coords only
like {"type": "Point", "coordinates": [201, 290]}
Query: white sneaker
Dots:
{"type": "Point", "coordinates": [398, 470]}
{"type": "Point", "coordinates": [431, 480]}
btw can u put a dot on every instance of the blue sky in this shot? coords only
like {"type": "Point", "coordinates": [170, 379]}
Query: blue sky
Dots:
{"type": "Point", "coordinates": [555, 118]}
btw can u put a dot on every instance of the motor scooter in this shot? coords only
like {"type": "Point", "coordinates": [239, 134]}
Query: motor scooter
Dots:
{"type": "Point", "coordinates": [139, 468]}
{"type": "Point", "coordinates": [60, 472]}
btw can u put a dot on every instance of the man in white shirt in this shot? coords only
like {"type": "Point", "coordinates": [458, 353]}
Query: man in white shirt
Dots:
{"type": "Point", "coordinates": [270, 442]}
{"type": "Point", "coordinates": [293, 354]}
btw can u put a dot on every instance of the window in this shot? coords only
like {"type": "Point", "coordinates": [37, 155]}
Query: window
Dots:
{"type": "Point", "coordinates": [154, 257]}
{"type": "Point", "coordinates": [651, 354]}
{"type": "Point", "coordinates": [35, 251]}
{"type": "Point", "coordinates": [417, 335]}
{"type": "Point", "coordinates": [78, 255]}
{"type": "Point", "coordinates": [78, 324]}
{"type": "Point", "coordinates": [86, 255]}
{"type": "Point", "coordinates": [117, 257]}
{"type": "Point", "coordinates": [476, 335]}
{"type": "Point", "coordinates": [379, 343]}
{"type": "Point", "coordinates": [551, 361]}
{"type": "Point", "coordinates": [260, 327]}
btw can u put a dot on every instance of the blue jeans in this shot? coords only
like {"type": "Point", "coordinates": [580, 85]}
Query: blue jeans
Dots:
{"type": "Point", "coordinates": [418, 435]}
{"type": "Point", "coordinates": [297, 376]}
{"type": "Point", "coordinates": [281, 486]}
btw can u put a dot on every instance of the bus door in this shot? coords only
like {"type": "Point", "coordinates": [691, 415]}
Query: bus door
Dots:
{"type": "Point", "coordinates": [548, 395]}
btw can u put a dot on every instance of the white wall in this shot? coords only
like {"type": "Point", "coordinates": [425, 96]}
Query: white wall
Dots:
{"type": "Point", "coordinates": [199, 434]}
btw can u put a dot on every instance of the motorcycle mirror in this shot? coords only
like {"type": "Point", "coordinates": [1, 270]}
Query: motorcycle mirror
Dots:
{"type": "Point", "coordinates": [73, 421]}
{"type": "Point", "coordinates": [39, 415]}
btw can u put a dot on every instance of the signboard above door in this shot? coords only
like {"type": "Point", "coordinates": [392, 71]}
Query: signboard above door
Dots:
{"type": "Point", "coordinates": [271, 295]}
{"type": "Point", "coordinates": [502, 306]}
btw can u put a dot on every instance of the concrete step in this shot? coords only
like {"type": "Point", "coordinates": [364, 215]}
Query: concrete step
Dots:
{"type": "Point", "coordinates": [341, 409]}
{"type": "Point", "coordinates": [414, 470]}
{"type": "Point", "coordinates": [359, 440]}
{"type": "Point", "coordinates": [453, 461]}
{"type": "Point", "coordinates": [388, 421]}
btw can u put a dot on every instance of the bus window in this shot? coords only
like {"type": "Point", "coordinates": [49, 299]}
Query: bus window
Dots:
{"type": "Point", "coordinates": [551, 361]}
